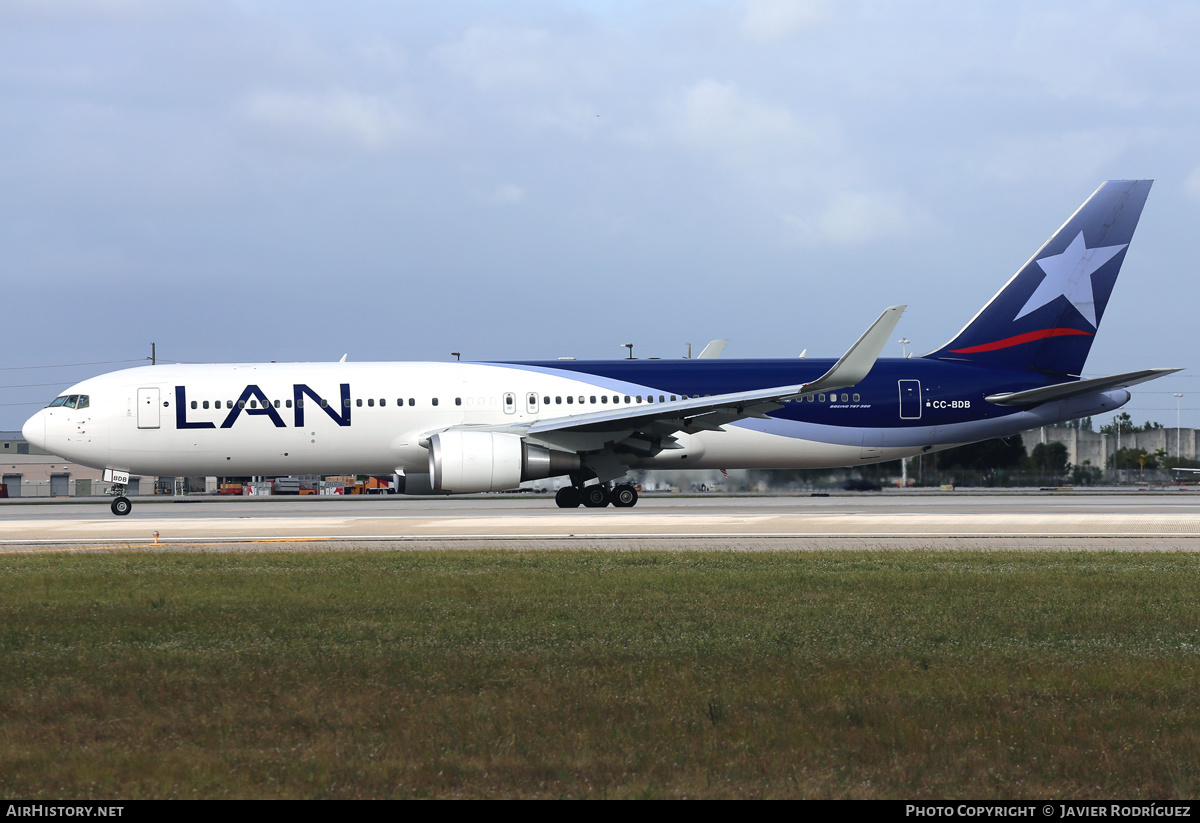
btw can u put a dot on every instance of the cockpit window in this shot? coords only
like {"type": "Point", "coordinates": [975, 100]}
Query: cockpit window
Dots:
{"type": "Point", "coordinates": [72, 401]}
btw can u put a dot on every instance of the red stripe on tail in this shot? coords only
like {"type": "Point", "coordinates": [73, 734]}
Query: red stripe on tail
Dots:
{"type": "Point", "coordinates": [1009, 342]}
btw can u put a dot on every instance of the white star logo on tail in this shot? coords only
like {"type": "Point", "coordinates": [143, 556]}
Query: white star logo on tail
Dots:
{"type": "Point", "coordinates": [1070, 274]}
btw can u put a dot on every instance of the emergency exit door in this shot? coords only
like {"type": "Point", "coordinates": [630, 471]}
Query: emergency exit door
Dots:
{"type": "Point", "coordinates": [148, 409]}
{"type": "Point", "coordinates": [910, 399]}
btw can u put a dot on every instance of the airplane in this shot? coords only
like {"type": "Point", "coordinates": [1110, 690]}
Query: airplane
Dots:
{"type": "Point", "coordinates": [465, 427]}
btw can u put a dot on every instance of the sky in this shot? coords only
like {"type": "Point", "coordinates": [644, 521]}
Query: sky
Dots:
{"type": "Point", "coordinates": [252, 181]}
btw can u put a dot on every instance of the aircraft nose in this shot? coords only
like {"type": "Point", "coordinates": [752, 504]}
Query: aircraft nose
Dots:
{"type": "Point", "coordinates": [34, 430]}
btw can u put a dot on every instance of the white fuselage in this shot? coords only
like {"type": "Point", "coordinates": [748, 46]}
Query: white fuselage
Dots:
{"type": "Point", "coordinates": [134, 422]}
{"type": "Point", "coordinates": [377, 418]}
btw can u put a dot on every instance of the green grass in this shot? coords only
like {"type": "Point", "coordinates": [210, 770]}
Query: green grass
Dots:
{"type": "Point", "coordinates": [915, 674]}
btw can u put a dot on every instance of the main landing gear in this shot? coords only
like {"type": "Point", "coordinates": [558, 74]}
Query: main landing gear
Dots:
{"type": "Point", "coordinates": [120, 505]}
{"type": "Point", "coordinates": [623, 496]}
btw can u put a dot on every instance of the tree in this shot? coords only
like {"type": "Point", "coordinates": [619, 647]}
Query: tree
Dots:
{"type": "Point", "coordinates": [1001, 453]}
{"type": "Point", "coordinates": [1132, 459]}
{"type": "Point", "coordinates": [1124, 424]}
{"type": "Point", "coordinates": [1049, 459]}
{"type": "Point", "coordinates": [1086, 474]}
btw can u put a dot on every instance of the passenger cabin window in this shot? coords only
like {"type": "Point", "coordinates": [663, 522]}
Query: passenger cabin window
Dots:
{"type": "Point", "coordinates": [205, 404]}
{"type": "Point", "coordinates": [370, 402]}
{"type": "Point", "coordinates": [857, 397]}
{"type": "Point", "coordinates": [346, 403]}
{"type": "Point", "coordinates": [458, 401]}
{"type": "Point", "coordinates": [241, 404]}
{"type": "Point", "coordinates": [570, 399]}
{"type": "Point", "coordinates": [604, 398]}
{"type": "Point", "coordinates": [287, 403]}
{"type": "Point", "coordinates": [845, 398]}
{"type": "Point", "coordinates": [412, 401]}
{"type": "Point", "coordinates": [435, 401]}
{"type": "Point", "coordinates": [821, 397]}
{"type": "Point", "coordinates": [358, 402]}
{"type": "Point", "coordinates": [276, 404]}
{"type": "Point", "coordinates": [382, 402]}
{"type": "Point", "coordinates": [195, 404]}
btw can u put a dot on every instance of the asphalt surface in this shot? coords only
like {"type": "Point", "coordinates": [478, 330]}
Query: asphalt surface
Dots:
{"type": "Point", "coordinates": [1076, 521]}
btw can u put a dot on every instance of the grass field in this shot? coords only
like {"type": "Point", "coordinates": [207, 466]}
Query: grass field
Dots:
{"type": "Point", "coordinates": [911, 675]}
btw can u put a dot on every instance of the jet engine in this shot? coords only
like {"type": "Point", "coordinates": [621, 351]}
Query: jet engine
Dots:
{"type": "Point", "coordinates": [474, 461]}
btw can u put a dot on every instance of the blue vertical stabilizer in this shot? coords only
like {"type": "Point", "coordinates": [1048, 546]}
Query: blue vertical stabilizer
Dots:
{"type": "Point", "coordinates": [1046, 316]}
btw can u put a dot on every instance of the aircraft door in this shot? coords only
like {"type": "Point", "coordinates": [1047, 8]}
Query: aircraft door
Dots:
{"type": "Point", "coordinates": [148, 409]}
{"type": "Point", "coordinates": [910, 399]}
{"type": "Point", "coordinates": [531, 402]}
{"type": "Point", "coordinates": [510, 403]}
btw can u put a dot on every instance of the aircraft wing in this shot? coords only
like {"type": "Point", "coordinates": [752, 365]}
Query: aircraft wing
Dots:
{"type": "Point", "coordinates": [1062, 391]}
{"type": "Point", "coordinates": [650, 427]}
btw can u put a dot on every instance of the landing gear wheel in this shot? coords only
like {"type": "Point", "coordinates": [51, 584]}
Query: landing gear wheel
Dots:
{"type": "Point", "coordinates": [121, 506]}
{"type": "Point", "coordinates": [624, 496]}
{"type": "Point", "coordinates": [568, 497]}
{"type": "Point", "coordinates": [595, 497]}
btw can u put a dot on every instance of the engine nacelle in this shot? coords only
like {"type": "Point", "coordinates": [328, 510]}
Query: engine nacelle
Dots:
{"type": "Point", "coordinates": [473, 461]}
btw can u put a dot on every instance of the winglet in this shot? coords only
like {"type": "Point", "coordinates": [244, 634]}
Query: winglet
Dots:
{"type": "Point", "coordinates": [713, 350]}
{"type": "Point", "coordinates": [860, 358]}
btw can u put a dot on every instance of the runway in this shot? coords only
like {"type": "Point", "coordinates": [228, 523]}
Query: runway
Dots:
{"type": "Point", "coordinates": [1075, 521]}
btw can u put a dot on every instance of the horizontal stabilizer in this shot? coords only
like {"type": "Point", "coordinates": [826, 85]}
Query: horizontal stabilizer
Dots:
{"type": "Point", "coordinates": [1061, 391]}
{"type": "Point", "coordinates": [860, 358]}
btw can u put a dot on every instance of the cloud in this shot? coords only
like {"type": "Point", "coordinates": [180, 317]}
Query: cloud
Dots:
{"type": "Point", "coordinates": [494, 58]}
{"type": "Point", "coordinates": [857, 218]}
{"type": "Point", "coordinates": [713, 116]}
{"type": "Point", "coordinates": [508, 195]}
{"type": "Point", "coordinates": [1067, 156]}
{"type": "Point", "coordinates": [1191, 186]}
{"type": "Point", "coordinates": [768, 21]}
{"type": "Point", "coordinates": [368, 121]}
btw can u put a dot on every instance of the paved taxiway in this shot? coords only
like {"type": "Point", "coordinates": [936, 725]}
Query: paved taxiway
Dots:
{"type": "Point", "coordinates": [1125, 520]}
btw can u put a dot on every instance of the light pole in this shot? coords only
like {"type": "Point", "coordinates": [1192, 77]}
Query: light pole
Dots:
{"type": "Point", "coordinates": [904, 341]}
{"type": "Point", "coordinates": [1177, 440]}
{"type": "Point", "coordinates": [630, 347]}
{"type": "Point", "coordinates": [457, 356]}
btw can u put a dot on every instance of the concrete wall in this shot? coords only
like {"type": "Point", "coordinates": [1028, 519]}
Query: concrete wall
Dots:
{"type": "Point", "coordinates": [1097, 448]}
